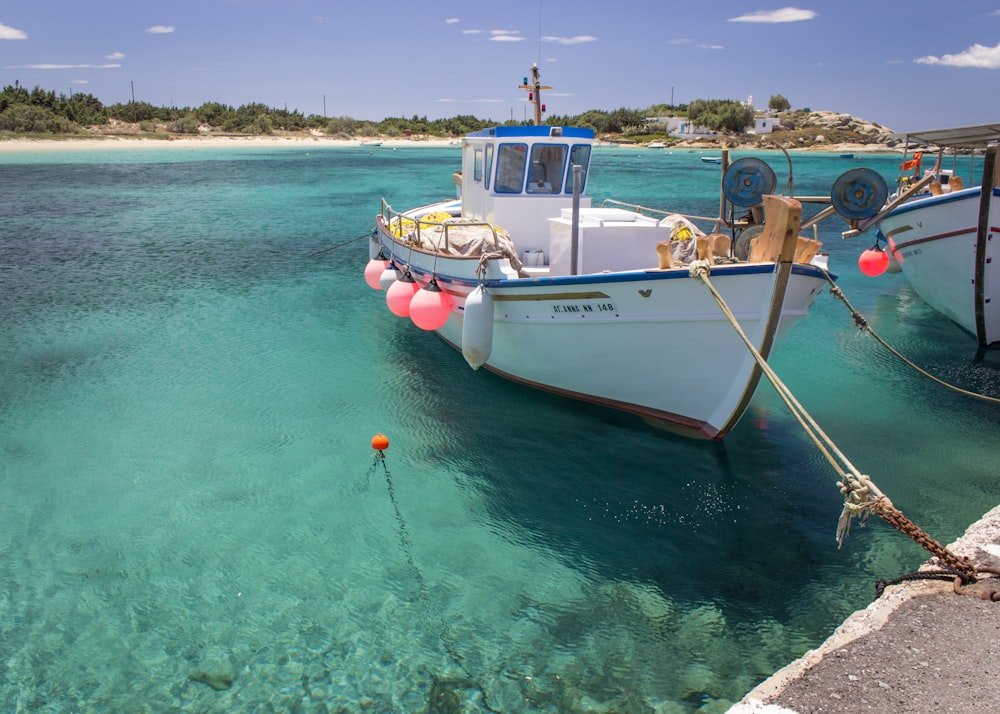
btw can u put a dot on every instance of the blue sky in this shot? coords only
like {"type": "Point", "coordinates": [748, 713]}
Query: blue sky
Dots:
{"type": "Point", "coordinates": [905, 65]}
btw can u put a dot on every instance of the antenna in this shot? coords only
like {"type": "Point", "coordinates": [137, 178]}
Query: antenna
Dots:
{"type": "Point", "coordinates": [539, 31]}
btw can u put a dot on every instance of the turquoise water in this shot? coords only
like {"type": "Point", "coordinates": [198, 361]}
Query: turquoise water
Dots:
{"type": "Point", "coordinates": [187, 399]}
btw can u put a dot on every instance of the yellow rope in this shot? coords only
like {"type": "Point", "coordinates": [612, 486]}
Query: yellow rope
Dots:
{"type": "Point", "coordinates": [861, 495]}
{"type": "Point", "coordinates": [863, 325]}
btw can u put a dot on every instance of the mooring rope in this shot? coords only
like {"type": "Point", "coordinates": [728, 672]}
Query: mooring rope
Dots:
{"type": "Point", "coordinates": [863, 325]}
{"type": "Point", "coordinates": [369, 234]}
{"type": "Point", "coordinates": [861, 496]}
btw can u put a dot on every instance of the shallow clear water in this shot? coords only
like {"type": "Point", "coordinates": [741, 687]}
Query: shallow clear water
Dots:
{"type": "Point", "coordinates": [187, 399]}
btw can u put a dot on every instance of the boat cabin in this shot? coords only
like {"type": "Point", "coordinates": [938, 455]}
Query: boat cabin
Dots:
{"type": "Point", "coordinates": [516, 177]}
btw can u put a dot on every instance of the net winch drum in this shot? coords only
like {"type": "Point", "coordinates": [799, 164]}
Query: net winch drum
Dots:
{"type": "Point", "coordinates": [741, 247]}
{"type": "Point", "coordinates": [747, 181]}
{"type": "Point", "coordinates": [859, 193]}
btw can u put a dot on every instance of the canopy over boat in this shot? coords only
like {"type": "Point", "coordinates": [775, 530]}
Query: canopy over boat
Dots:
{"type": "Point", "coordinates": [963, 137]}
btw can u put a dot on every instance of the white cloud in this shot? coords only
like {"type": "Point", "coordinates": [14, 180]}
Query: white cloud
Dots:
{"type": "Point", "coordinates": [79, 81]}
{"type": "Point", "coordinates": [711, 47]}
{"type": "Point", "coordinates": [975, 56]}
{"type": "Point", "coordinates": [473, 32]}
{"type": "Point", "coordinates": [160, 29]}
{"type": "Point", "coordinates": [451, 20]}
{"type": "Point", "coordinates": [785, 14]}
{"type": "Point", "coordinates": [570, 40]}
{"type": "Point", "coordinates": [11, 33]}
{"type": "Point", "coordinates": [64, 66]}
{"type": "Point", "coordinates": [505, 32]}
{"type": "Point", "coordinates": [506, 38]}
{"type": "Point", "coordinates": [115, 56]}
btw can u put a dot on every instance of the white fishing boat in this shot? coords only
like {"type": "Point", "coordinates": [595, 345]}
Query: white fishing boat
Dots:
{"type": "Point", "coordinates": [943, 240]}
{"type": "Point", "coordinates": [530, 280]}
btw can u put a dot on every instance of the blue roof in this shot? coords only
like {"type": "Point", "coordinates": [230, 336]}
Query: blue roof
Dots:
{"type": "Point", "coordinates": [507, 132]}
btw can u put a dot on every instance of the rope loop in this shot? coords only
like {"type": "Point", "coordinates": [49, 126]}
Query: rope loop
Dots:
{"type": "Point", "coordinates": [700, 269]}
{"type": "Point", "coordinates": [484, 260]}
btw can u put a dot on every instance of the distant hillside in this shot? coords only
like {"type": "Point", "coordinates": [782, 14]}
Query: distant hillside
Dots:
{"type": "Point", "coordinates": [799, 129]}
{"type": "Point", "coordinates": [43, 113]}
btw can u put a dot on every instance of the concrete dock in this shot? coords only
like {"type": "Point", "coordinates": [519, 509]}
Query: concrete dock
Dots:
{"type": "Point", "coordinates": [918, 648]}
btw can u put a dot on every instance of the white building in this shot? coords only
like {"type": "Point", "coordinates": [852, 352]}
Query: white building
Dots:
{"type": "Point", "coordinates": [684, 128]}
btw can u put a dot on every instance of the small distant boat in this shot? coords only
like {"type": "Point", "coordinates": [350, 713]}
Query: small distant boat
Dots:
{"type": "Point", "coordinates": [529, 280]}
{"type": "Point", "coordinates": [656, 145]}
{"type": "Point", "coordinates": [712, 159]}
{"type": "Point", "coordinates": [944, 241]}
{"type": "Point", "coordinates": [847, 156]}
{"type": "Point", "coordinates": [371, 143]}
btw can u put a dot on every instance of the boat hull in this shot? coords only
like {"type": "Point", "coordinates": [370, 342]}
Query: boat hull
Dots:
{"type": "Point", "coordinates": [940, 247]}
{"type": "Point", "coordinates": [650, 342]}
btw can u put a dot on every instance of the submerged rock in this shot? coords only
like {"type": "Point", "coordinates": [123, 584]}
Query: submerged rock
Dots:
{"type": "Point", "coordinates": [216, 680]}
{"type": "Point", "coordinates": [445, 697]}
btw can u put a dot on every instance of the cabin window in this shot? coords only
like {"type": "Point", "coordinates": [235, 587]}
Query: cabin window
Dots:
{"type": "Point", "coordinates": [578, 156]}
{"type": "Point", "coordinates": [477, 165]}
{"type": "Point", "coordinates": [510, 168]}
{"type": "Point", "coordinates": [489, 164]}
{"type": "Point", "coordinates": [548, 165]}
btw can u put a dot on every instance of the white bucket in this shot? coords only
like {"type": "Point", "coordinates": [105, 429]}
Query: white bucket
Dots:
{"type": "Point", "coordinates": [533, 258]}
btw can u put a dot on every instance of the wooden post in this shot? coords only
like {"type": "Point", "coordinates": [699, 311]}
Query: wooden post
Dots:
{"type": "Point", "coordinates": [777, 243]}
{"type": "Point", "coordinates": [704, 248]}
{"type": "Point", "coordinates": [784, 217]}
{"type": "Point", "coordinates": [722, 245]}
{"type": "Point", "coordinates": [991, 178]}
{"type": "Point", "coordinates": [665, 255]}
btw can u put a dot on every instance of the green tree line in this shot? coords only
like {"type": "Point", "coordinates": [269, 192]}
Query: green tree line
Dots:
{"type": "Point", "coordinates": [44, 112]}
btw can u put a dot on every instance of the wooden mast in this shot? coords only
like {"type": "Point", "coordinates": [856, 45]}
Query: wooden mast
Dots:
{"type": "Point", "coordinates": [535, 92]}
{"type": "Point", "coordinates": [991, 178]}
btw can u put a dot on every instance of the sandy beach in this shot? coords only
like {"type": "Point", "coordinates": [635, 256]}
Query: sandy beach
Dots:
{"type": "Point", "coordinates": [114, 142]}
{"type": "Point", "coordinates": [135, 142]}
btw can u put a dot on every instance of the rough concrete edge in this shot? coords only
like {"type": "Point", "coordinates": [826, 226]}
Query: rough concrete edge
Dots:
{"type": "Point", "coordinates": [983, 535]}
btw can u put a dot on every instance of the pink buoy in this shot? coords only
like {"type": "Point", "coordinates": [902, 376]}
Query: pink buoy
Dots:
{"type": "Point", "coordinates": [373, 272]}
{"type": "Point", "coordinates": [399, 294]}
{"type": "Point", "coordinates": [430, 307]}
{"type": "Point", "coordinates": [873, 262]}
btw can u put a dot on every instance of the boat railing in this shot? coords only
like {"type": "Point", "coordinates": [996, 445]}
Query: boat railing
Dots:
{"type": "Point", "coordinates": [402, 223]}
{"type": "Point", "coordinates": [656, 212]}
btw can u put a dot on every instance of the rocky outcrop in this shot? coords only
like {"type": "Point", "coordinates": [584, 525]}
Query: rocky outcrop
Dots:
{"type": "Point", "coordinates": [808, 127]}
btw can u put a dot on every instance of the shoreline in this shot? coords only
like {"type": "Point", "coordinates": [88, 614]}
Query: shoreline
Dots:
{"type": "Point", "coordinates": [880, 655]}
{"type": "Point", "coordinates": [72, 143]}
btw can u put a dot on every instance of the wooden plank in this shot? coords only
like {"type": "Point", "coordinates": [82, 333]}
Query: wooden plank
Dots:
{"type": "Point", "coordinates": [784, 217]}
{"type": "Point", "coordinates": [806, 249]}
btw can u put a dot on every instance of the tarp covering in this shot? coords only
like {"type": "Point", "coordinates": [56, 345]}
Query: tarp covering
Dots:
{"type": "Point", "coordinates": [466, 238]}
